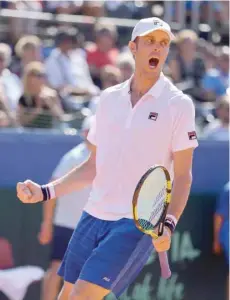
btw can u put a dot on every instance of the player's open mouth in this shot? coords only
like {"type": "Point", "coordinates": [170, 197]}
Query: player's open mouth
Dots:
{"type": "Point", "coordinates": [153, 62]}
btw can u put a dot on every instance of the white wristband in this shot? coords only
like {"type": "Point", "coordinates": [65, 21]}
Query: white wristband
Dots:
{"type": "Point", "coordinates": [173, 218]}
{"type": "Point", "coordinates": [51, 190]}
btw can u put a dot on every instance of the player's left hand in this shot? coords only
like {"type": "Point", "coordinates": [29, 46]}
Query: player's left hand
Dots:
{"type": "Point", "coordinates": [163, 242]}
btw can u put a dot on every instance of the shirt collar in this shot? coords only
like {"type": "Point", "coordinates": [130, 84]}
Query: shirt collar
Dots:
{"type": "Point", "coordinates": [154, 91]}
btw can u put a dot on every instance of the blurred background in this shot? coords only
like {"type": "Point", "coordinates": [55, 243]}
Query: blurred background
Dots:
{"type": "Point", "coordinates": [55, 59]}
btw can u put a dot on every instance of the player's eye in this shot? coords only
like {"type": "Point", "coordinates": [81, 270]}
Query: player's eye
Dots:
{"type": "Point", "coordinates": [150, 41]}
{"type": "Point", "coordinates": [164, 43]}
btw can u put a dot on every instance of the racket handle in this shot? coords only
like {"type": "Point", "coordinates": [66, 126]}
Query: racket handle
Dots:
{"type": "Point", "coordinates": [164, 263]}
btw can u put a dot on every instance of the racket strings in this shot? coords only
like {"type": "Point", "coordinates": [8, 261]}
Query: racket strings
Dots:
{"type": "Point", "coordinates": [156, 211]}
{"type": "Point", "coordinates": [145, 224]}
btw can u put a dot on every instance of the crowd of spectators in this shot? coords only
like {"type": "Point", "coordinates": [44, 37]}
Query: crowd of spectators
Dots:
{"type": "Point", "coordinates": [40, 88]}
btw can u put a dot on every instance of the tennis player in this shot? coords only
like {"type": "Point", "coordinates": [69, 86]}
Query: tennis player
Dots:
{"type": "Point", "coordinates": [141, 122]}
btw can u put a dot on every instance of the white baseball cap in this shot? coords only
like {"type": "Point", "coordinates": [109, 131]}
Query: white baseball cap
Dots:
{"type": "Point", "coordinates": [148, 25]}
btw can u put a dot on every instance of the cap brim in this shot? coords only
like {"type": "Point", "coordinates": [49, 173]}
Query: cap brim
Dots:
{"type": "Point", "coordinates": [170, 34]}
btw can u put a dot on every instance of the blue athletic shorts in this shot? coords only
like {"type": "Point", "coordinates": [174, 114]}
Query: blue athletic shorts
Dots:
{"type": "Point", "coordinates": [107, 253]}
{"type": "Point", "coordinates": [61, 238]}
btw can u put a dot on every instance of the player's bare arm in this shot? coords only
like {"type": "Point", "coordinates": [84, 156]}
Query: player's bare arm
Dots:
{"type": "Point", "coordinates": [78, 178]}
{"type": "Point", "coordinates": [182, 181]}
{"type": "Point", "coordinates": [180, 193]}
{"type": "Point", "coordinates": [46, 229]}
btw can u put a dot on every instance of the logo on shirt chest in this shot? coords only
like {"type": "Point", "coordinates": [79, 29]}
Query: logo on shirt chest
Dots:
{"type": "Point", "coordinates": [192, 135]}
{"type": "Point", "coordinates": [153, 116]}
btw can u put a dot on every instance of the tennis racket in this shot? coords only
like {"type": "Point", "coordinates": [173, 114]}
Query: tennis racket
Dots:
{"type": "Point", "coordinates": [150, 203]}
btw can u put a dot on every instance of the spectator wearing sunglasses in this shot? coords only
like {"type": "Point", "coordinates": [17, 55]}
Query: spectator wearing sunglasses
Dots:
{"type": "Point", "coordinates": [39, 105]}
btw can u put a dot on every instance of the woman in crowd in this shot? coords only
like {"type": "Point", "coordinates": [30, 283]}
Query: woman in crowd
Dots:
{"type": "Point", "coordinates": [39, 105]}
{"type": "Point", "coordinates": [186, 64]}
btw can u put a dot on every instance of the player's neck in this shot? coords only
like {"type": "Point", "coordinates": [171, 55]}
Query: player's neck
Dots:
{"type": "Point", "coordinates": [140, 85]}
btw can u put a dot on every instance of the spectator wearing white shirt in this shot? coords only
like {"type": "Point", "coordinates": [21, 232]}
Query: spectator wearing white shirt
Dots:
{"type": "Point", "coordinates": [58, 224]}
{"type": "Point", "coordinates": [80, 66]}
{"type": "Point", "coordinates": [10, 86]}
{"type": "Point", "coordinates": [219, 129]}
{"type": "Point", "coordinates": [60, 70]}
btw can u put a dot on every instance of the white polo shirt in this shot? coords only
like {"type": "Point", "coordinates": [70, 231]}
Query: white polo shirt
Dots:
{"type": "Point", "coordinates": [130, 140]}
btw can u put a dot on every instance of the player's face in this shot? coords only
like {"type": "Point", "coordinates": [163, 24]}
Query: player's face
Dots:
{"type": "Point", "coordinates": [150, 51]}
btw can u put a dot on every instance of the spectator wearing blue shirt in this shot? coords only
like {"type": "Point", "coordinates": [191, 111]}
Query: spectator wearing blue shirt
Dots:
{"type": "Point", "coordinates": [218, 130]}
{"type": "Point", "coordinates": [216, 81]}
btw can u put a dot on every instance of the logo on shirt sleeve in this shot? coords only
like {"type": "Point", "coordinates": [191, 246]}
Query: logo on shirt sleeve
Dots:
{"type": "Point", "coordinates": [153, 116]}
{"type": "Point", "coordinates": [192, 135]}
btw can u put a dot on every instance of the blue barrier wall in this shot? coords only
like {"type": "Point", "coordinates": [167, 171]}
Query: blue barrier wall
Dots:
{"type": "Point", "coordinates": [35, 154]}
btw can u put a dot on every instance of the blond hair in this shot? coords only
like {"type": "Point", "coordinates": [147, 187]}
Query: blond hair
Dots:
{"type": "Point", "coordinates": [32, 68]}
{"type": "Point", "coordinates": [110, 71]}
{"type": "Point", "coordinates": [186, 34]}
{"type": "Point", "coordinates": [223, 101]}
{"type": "Point", "coordinates": [125, 59]}
{"type": "Point", "coordinates": [27, 41]}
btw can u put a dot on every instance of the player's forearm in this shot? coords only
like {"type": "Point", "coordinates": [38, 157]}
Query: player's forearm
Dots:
{"type": "Point", "coordinates": [48, 211]}
{"type": "Point", "coordinates": [180, 194]}
{"type": "Point", "coordinates": [77, 179]}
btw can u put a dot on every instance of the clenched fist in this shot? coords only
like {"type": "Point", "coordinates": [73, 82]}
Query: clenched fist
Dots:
{"type": "Point", "coordinates": [29, 192]}
{"type": "Point", "coordinates": [163, 243]}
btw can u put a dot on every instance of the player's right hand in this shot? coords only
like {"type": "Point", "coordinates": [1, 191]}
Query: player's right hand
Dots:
{"type": "Point", "coordinates": [29, 192]}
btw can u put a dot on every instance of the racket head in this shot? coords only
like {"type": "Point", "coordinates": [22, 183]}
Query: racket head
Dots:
{"type": "Point", "coordinates": [151, 199]}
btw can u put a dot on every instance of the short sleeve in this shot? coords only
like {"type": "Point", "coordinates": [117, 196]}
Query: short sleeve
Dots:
{"type": "Point", "coordinates": [184, 132]}
{"type": "Point", "coordinates": [97, 119]}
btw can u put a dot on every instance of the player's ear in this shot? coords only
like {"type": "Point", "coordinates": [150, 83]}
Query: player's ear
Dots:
{"type": "Point", "coordinates": [133, 47]}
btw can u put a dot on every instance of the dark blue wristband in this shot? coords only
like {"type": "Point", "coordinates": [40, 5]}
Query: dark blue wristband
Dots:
{"type": "Point", "coordinates": [170, 224]}
{"type": "Point", "coordinates": [45, 192]}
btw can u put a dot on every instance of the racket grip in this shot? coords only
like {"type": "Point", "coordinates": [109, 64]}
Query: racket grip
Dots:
{"type": "Point", "coordinates": [164, 264]}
